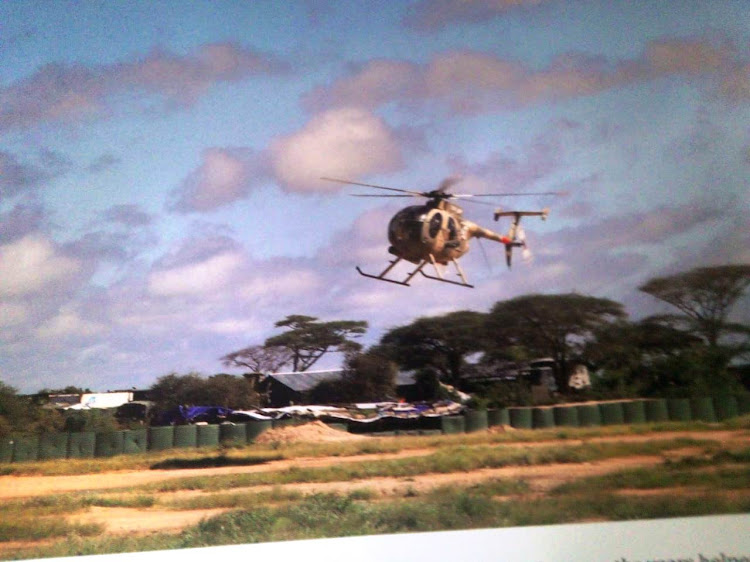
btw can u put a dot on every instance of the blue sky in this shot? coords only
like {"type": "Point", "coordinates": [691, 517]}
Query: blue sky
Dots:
{"type": "Point", "coordinates": [159, 196]}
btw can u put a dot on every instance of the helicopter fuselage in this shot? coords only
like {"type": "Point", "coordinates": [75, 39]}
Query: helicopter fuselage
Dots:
{"type": "Point", "coordinates": [436, 228]}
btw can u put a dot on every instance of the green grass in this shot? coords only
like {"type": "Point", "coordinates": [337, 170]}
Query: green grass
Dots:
{"type": "Point", "coordinates": [330, 515]}
{"type": "Point", "coordinates": [29, 527]}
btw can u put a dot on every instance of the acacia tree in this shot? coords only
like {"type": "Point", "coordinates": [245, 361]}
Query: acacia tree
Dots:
{"type": "Point", "coordinates": [258, 358]}
{"type": "Point", "coordinates": [307, 339]}
{"type": "Point", "coordinates": [705, 296]}
{"type": "Point", "coordinates": [556, 326]}
{"type": "Point", "coordinates": [439, 343]}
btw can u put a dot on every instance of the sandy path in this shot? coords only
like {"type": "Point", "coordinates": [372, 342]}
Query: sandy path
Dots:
{"type": "Point", "coordinates": [129, 520]}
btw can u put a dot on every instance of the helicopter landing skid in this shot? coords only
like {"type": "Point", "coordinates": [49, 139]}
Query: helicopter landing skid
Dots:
{"type": "Point", "coordinates": [439, 277]}
{"type": "Point", "coordinates": [382, 276]}
{"type": "Point", "coordinates": [419, 269]}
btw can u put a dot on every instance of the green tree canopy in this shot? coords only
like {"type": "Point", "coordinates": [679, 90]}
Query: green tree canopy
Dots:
{"type": "Point", "coordinates": [229, 391]}
{"type": "Point", "coordinates": [438, 343]}
{"type": "Point", "coordinates": [66, 390]}
{"type": "Point", "coordinates": [308, 339]}
{"type": "Point", "coordinates": [637, 358]}
{"type": "Point", "coordinates": [555, 326]}
{"type": "Point", "coordinates": [20, 413]}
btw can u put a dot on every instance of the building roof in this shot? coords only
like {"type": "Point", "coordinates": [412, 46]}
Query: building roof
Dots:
{"type": "Point", "coordinates": [306, 380]}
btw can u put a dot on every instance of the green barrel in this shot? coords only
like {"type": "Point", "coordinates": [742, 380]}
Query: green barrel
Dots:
{"type": "Point", "coordinates": [135, 441]}
{"type": "Point", "coordinates": [6, 449]}
{"type": "Point", "coordinates": [186, 436]}
{"type": "Point", "coordinates": [679, 409]}
{"type": "Point", "coordinates": [160, 438]}
{"type": "Point", "coordinates": [109, 444]}
{"type": "Point", "coordinates": [612, 413]}
{"type": "Point", "coordinates": [521, 418]}
{"type": "Point", "coordinates": [726, 407]}
{"type": "Point", "coordinates": [500, 416]}
{"type": "Point", "coordinates": [565, 416]}
{"type": "Point", "coordinates": [656, 410]}
{"type": "Point", "coordinates": [634, 411]}
{"type": "Point", "coordinates": [208, 435]}
{"type": "Point", "coordinates": [53, 446]}
{"type": "Point", "coordinates": [475, 420]}
{"type": "Point", "coordinates": [25, 448]}
{"type": "Point", "coordinates": [703, 409]}
{"type": "Point", "coordinates": [256, 427]}
{"type": "Point", "coordinates": [81, 445]}
{"type": "Point", "coordinates": [542, 418]}
{"type": "Point", "coordinates": [453, 424]}
{"type": "Point", "coordinates": [743, 404]}
{"type": "Point", "coordinates": [233, 435]}
{"type": "Point", "coordinates": [589, 415]}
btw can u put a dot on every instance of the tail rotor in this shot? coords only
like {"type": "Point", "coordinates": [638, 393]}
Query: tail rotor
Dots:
{"type": "Point", "coordinates": [516, 236]}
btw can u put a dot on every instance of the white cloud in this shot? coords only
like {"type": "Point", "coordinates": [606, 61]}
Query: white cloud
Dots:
{"type": "Point", "coordinates": [296, 282]}
{"type": "Point", "coordinates": [346, 142]}
{"type": "Point", "coordinates": [12, 314]}
{"type": "Point", "coordinates": [68, 324]}
{"type": "Point", "coordinates": [204, 277]}
{"type": "Point", "coordinates": [231, 326]}
{"type": "Point", "coordinates": [31, 264]}
{"type": "Point", "coordinates": [224, 176]}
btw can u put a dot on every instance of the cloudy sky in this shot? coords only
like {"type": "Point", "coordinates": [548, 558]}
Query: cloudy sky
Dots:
{"type": "Point", "coordinates": [160, 201]}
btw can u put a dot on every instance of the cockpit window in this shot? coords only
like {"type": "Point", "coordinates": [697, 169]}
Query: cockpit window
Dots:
{"type": "Point", "coordinates": [435, 223]}
{"type": "Point", "coordinates": [452, 231]}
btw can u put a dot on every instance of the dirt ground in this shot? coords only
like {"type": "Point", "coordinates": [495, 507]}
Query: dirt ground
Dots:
{"type": "Point", "coordinates": [147, 520]}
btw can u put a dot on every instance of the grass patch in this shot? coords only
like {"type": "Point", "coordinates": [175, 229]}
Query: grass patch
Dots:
{"type": "Point", "coordinates": [330, 515]}
{"type": "Point", "coordinates": [34, 528]}
{"type": "Point", "coordinates": [448, 460]}
{"type": "Point", "coordinates": [681, 473]}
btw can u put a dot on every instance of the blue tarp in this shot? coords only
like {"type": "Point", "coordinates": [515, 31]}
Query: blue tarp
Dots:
{"type": "Point", "coordinates": [192, 414]}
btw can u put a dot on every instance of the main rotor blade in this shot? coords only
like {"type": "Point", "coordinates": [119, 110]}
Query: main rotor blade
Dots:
{"type": "Point", "coordinates": [378, 195]}
{"type": "Point", "coordinates": [414, 193]}
{"type": "Point", "coordinates": [477, 202]}
{"type": "Point", "coordinates": [465, 195]}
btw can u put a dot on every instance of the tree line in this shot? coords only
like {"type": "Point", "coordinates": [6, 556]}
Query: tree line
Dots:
{"type": "Point", "coordinates": [695, 350]}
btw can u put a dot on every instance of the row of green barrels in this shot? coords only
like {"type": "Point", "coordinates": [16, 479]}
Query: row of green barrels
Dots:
{"type": "Point", "coordinates": [90, 444]}
{"type": "Point", "coordinates": [603, 413]}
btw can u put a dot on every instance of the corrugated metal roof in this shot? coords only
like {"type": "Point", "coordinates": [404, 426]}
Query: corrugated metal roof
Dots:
{"type": "Point", "coordinates": [306, 380]}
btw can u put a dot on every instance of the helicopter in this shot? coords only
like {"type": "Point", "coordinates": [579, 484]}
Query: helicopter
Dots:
{"type": "Point", "coordinates": [436, 233]}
